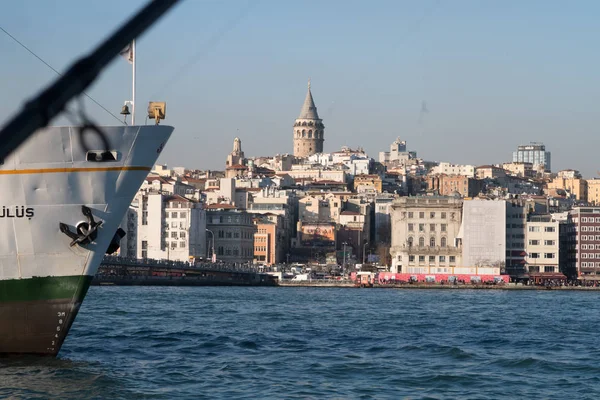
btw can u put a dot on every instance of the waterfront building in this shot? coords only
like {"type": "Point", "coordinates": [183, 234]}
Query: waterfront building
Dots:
{"type": "Point", "coordinates": [542, 248]}
{"type": "Point", "coordinates": [232, 231]}
{"type": "Point", "coordinates": [269, 239]}
{"type": "Point", "coordinates": [534, 153]}
{"type": "Point", "coordinates": [383, 221]}
{"type": "Point", "coordinates": [517, 209]}
{"type": "Point", "coordinates": [424, 234]}
{"type": "Point", "coordinates": [483, 233]}
{"type": "Point", "coordinates": [583, 243]}
{"type": "Point", "coordinates": [170, 227]}
{"type": "Point", "coordinates": [309, 131]}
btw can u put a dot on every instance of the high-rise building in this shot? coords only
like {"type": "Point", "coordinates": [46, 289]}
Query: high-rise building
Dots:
{"type": "Point", "coordinates": [309, 130]}
{"type": "Point", "coordinates": [534, 153]}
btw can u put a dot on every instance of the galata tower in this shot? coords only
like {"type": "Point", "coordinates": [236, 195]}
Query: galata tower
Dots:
{"type": "Point", "coordinates": [308, 129]}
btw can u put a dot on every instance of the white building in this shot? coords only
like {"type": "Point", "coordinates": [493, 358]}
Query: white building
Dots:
{"type": "Point", "coordinates": [424, 234]}
{"type": "Point", "coordinates": [170, 227]}
{"type": "Point", "coordinates": [541, 245]}
{"type": "Point", "coordinates": [454, 169]}
{"type": "Point", "coordinates": [483, 233]}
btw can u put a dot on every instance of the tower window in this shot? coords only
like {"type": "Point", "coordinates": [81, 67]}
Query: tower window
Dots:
{"type": "Point", "coordinates": [303, 133]}
{"type": "Point", "coordinates": [310, 134]}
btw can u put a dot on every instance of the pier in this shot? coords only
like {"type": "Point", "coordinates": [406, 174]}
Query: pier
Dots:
{"type": "Point", "coordinates": [148, 272]}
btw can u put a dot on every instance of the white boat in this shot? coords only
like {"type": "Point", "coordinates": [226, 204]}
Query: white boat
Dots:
{"type": "Point", "coordinates": [60, 208]}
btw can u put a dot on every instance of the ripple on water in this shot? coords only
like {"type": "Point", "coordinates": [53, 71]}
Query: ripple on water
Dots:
{"type": "Point", "coordinates": [304, 343]}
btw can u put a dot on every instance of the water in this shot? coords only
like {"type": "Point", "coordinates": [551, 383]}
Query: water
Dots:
{"type": "Point", "coordinates": [314, 343]}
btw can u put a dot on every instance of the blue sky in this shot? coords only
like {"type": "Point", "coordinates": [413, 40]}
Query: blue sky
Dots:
{"type": "Point", "coordinates": [493, 75]}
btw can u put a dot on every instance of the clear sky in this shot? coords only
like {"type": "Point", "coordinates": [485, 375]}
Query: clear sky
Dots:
{"type": "Point", "coordinates": [490, 74]}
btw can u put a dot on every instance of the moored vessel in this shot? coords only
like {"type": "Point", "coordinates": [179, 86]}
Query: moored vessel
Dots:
{"type": "Point", "coordinates": [64, 194]}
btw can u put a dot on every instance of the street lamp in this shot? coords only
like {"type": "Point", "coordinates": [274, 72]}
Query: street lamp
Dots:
{"type": "Point", "coordinates": [344, 262]}
{"type": "Point", "coordinates": [213, 258]}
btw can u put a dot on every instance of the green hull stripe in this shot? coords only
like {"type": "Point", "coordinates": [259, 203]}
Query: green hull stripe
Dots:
{"type": "Point", "coordinates": [46, 288]}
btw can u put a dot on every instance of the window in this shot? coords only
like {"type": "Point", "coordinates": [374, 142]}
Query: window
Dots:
{"type": "Point", "coordinates": [144, 245]}
{"type": "Point", "coordinates": [534, 242]}
{"type": "Point", "coordinates": [410, 241]}
{"type": "Point", "coordinates": [421, 227]}
{"type": "Point", "coordinates": [421, 214]}
{"type": "Point", "coordinates": [548, 268]}
{"type": "Point", "coordinates": [534, 229]}
{"type": "Point", "coordinates": [421, 259]}
{"type": "Point", "coordinates": [443, 215]}
{"type": "Point", "coordinates": [144, 253]}
{"type": "Point", "coordinates": [452, 259]}
{"type": "Point", "coordinates": [534, 255]}
{"type": "Point", "coordinates": [411, 227]}
{"type": "Point", "coordinates": [421, 242]}
{"type": "Point", "coordinates": [549, 255]}
{"type": "Point", "coordinates": [411, 259]}
{"type": "Point", "coordinates": [173, 245]}
{"type": "Point", "coordinates": [174, 235]}
{"type": "Point", "coordinates": [443, 227]}
{"type": "Point", "coordinates": [442, 259]}
{"type": "Point", "coordinates": [431, 259]}
{"type": "Point", "coordinates": [173, 224]}
{"type": "Point", "coordinates": [431, 215]}
{"type": "Point", "coordinates": [399, 257]}
{"type": "Point", "coordinates": [228, 235]}
{"type": "Point", "coordinates": [173, 215]}
{"type": "Point", "coordinates": [550, 229]}
{"type": "Point", "coordinates": [182, 235]}
{"type": "Point", "coordinates": [182, 214]}
{"type": "Point", "coordinates": [443, 242]}
{"type": "Point", "coordinates": [181, 244]}
{"type": "Point", "coordinates": [549, 242]}
{"type": "Point", "coordinates": [410, 214]}
{"type": "Point", "coordinates": [432, 227]}
{"type": "Point", "coordinates": [431, 242]}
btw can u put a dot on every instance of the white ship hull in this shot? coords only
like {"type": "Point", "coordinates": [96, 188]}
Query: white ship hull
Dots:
{"type": "Point", "coordinates": [43, 277]}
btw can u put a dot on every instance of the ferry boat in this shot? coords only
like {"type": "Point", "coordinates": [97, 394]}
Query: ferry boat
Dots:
{"type": "Point", "coordinates": [63, 196]}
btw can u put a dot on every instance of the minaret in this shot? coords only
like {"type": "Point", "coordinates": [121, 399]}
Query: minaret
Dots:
{"type": "Point", "coordinates": [308, 129]}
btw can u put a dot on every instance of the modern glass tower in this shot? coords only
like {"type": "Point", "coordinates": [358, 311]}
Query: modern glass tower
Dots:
{"type": "Point", "coordinates": [534, 153]}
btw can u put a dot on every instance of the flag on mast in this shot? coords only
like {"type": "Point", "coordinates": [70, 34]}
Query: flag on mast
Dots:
{"type": "Point", "coordinates": [127, 53]}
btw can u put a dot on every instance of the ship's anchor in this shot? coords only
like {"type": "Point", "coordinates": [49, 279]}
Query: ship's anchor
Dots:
{"type": "Point", "coordinates": [86, 232]}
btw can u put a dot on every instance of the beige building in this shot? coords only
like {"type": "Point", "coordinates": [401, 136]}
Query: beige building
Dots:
{"type": "Point", "coordinates": [309, 131]}
{"type": "Point", "coordinates": [447, 185]}
{"type": "Point", "coordinates": [453, 169]}
{"type": "Point", "coordinates": [594, 191]}
{"type": "Point", "coordinates": [541, 245]}
{"type": "Point", "coordinates": [319, 208]}
{"type": "Point", "coordinates": [489, 171]}
{"type": "Point", "coordinates": [424, 234]}
{"type": "Point", "coordinates": [577, 187]}
{"type": "Point", "coordinates": [520, 169]}
{"type": "Point", "coordinates": [367, 183]}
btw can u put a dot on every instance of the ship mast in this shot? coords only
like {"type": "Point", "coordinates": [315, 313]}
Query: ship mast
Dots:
{"type": "Point", "coordinates": [133, 61]}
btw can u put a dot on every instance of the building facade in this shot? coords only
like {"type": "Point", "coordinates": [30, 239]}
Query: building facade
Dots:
{"type": "Point", "coordinates": [170, 227]}
{"type": "Point", "coordinates": [483, 233]}
{"type": "Point", "coordinates": [534, 153]}
{"type": "Point", "coordinates": [232, 231]}
{"type": "Point", "coordinates": [583, 243]}
{"type": "Point", "coordinates": [542, 246]}
{"type": "Point", "coordinates": [447, 185]}
{"type": "Point", "coordinates": [309, 131]}
{"type": "Point", "coordinates": [424, 234]}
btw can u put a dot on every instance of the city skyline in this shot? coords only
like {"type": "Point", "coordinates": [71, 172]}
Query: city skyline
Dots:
{"type": "Point", "coordinates": [460, 82]}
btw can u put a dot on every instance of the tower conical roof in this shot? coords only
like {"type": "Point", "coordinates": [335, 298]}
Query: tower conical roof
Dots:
{"type": "Point", "coordinates": [309, 110]}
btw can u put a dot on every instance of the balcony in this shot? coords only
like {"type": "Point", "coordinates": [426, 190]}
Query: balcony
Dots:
{"type": "Point", "coordinates": [431, 250]}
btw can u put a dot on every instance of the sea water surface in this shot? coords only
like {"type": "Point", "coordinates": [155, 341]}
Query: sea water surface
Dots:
{"type": "Point", "coordinates": [315, 343]}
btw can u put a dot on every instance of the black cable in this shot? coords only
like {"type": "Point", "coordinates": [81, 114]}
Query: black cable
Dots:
{"type": "Point", "coordinates": [58, 73]}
